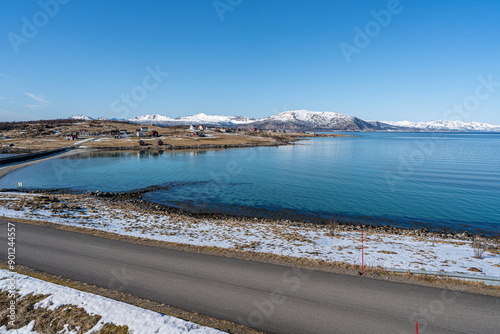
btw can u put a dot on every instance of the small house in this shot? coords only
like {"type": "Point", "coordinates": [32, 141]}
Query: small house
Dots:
{"type": "Point", "coordinates": [71, 136]}
{"type": "Point", "coordinates": [198, 134]}
{"type": "Point", "coordinates": [144, 129]}
{"type": "Point", "coordinates": [141, 133]}
{"type": "Point", "coordinates": [159, 142]}
{"type": "Point", "coordinates": [192, 128]}
{"type": "Point", "coordinates": [201, 127]}
{"type": "Point", "coordinates": [154, 133]}
{"type": "Point", "coordinates": [141, 143]}
{"type": "Point", "coordinates": [83, 133]}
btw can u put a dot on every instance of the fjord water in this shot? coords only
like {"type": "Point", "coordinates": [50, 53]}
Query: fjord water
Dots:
{"type": "Point", "coordinates": [445, 180]}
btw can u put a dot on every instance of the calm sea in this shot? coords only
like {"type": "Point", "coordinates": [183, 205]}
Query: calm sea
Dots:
{"type": "Point", "coordinates": [441, 180]}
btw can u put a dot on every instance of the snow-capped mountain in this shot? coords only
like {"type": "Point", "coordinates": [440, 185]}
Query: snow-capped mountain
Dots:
{"type": "Point", "coordinates": [200, 118]}
{"type": "Point", "coordinates": [305, 120]}
{"type": "Point", "coordinates": [290, 120]}
{"type": "Point", "coordinates": [156, 119]}
{"type": "Point", "coordinates": [319, 118]}
{"type": "Point", "coordinates": [81, 117]}
{"type": "Point", "coordinates": [443, 125]}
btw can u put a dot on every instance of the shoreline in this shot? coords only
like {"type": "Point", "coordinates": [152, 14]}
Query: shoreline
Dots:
{"type": "Point", "coordinates": [133, 200]}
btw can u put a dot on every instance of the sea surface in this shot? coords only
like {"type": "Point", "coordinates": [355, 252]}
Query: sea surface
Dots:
{"type": "Point", "coordinates": [434, 180]}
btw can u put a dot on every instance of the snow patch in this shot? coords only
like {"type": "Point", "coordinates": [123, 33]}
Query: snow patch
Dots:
{"type": "Point", "coordinates": [137, 319]}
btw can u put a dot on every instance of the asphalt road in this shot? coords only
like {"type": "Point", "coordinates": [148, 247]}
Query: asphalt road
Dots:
{"type": "Point", "coordinates": [271, 298]}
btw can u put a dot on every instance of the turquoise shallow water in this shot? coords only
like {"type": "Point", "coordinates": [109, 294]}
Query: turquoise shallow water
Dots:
{"type": "Point", "coordinates": [447, 180]}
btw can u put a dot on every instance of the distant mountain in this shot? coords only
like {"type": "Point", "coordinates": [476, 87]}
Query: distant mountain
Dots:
{"type": "Point", "coordinates": [302, 120]}
{"type": "Point", "coordinates": [443, 125]}
{"type": "Point", "coordinates": [193, 120]}
{"type": "Point", "coordinates": [81, 117]}
{"type": "Point", "coordinates": [305, 120]}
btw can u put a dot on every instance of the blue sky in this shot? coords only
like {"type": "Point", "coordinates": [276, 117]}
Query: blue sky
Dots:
{"type": "Point", "coordinates": [250, 57]}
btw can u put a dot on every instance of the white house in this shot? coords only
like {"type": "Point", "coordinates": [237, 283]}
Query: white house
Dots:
{"type": "Point", "coordinates": [124, 134]}
{"type": "Point", "coordinates": [83, 133]}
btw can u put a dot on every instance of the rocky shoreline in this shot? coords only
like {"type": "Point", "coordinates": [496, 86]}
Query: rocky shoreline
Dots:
{"type": "Point", "coordinates": [133, 200]}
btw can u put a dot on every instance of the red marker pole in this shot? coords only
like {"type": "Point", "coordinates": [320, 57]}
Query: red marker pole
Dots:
{"type": "Point", "coordinates": [416, 325]}
{"type": "Point", "coordinates": [362, 254]}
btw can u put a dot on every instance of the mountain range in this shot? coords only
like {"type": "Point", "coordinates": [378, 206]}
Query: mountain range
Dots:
{"type": "Point", "coordinates": [305, 120]}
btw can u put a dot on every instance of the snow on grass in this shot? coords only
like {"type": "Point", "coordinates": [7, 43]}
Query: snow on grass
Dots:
{"type": "Point", "coordinates": [83, 141]}
{"type": "Point", "coordinates": [383, 250]}
{"type": "Point", "coordinates": [137, 319]}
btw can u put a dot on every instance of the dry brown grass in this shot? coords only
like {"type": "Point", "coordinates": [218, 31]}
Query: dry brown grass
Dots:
{"type": "Point", "coordinates": [47, 321]}
{"type": "Point", "coordinates": [386, 252]}
{"type": "Point", "coordinates": [113, 329]}
{"type": "Point", "coordinates": [332, 227]}
{"type": "Point", "coordinates": [478, 247]}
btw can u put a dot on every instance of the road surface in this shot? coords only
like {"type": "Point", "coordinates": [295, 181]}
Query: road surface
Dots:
{"type": "Point", "coordinates": [271, 298]}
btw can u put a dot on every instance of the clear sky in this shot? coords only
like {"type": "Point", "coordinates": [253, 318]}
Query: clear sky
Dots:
{"type": "Point", "coordinates": [250, 57]}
